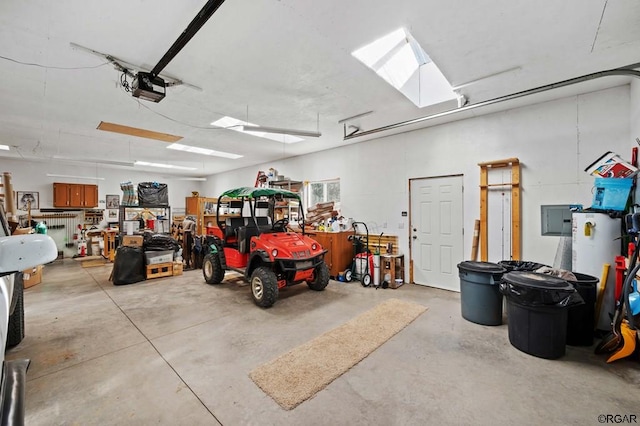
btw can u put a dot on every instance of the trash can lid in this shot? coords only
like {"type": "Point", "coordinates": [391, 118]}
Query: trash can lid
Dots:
{"type": "Point", "coordinates": [485, 267]}
{"type": "Point", "coordinates": [536, 280]}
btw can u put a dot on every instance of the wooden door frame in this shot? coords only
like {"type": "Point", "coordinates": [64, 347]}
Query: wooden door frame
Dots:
{"type": "Point", "coordinates": [410, 213]}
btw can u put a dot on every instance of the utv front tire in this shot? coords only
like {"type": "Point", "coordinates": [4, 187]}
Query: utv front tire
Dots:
{"type": "Point", "coordinates": [212, 269]}
{"type": "Point", "coordinates": [15, 331]}
{"type": "Point", "coordinates": [321, 278]}
{"type": "Point", "coordinates": [264, 287]}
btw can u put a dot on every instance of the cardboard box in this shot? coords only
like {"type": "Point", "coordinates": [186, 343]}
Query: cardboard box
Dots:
{"type": "Point", "coordinates": [610, 165]}
{"type": "Point", "coordinates": [32, 277]}
{"type": "Point", "coordinates": [177, 268]}
{"type": "Point", "coordinates": [132, 240]}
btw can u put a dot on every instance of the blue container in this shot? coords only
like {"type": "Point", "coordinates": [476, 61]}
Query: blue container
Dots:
{"type": "Point", "coordinates": [611, 193]}
{"type": "Point", "coordinates": [480, 297]}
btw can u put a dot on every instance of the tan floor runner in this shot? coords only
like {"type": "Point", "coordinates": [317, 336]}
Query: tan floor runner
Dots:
{"type": "Point", "coordinates": [299, 374]}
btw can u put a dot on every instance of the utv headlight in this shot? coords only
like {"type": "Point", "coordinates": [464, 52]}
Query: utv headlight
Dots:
{"type": "Point", "coordinates": [314, 246]}
{"type": "Point", "coordinates": [274, 252]}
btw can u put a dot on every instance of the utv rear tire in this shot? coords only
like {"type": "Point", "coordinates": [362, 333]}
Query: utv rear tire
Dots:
{"type": "Point", "coordinates": [321, 278]}
{"type": "Point", "coordinates": [15, 331]}
{"type": "Point", "coordinates": [212, 269]}
{"type": "Point", "coordinates": [264, 287]}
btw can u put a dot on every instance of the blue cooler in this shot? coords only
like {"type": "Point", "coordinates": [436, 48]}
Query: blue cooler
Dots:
{"type": "Point", "coordinates": [611, 193]}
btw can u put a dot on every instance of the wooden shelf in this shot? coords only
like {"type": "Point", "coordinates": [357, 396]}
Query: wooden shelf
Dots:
{"type": "Point", "coordinates": [292, 209]}
{"type": "Point", "coordinates": [197, 207]}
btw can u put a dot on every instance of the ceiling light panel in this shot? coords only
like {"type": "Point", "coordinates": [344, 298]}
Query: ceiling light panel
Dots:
{"type": "Point", "coordinates": [4, 147]}
{"type": "Point", "coordinates": [74, 177]}
{"type": "Point", "coordinates": [203, 151]}
{"type": "Point", "coordinates": [231, 123]}
{"type": "Point", "coordinates": [163, 165]}
{"type": "Point", "coordinates": [134, 131]}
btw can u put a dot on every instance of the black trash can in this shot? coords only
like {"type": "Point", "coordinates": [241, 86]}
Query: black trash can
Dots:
{"type": "Point", "coordinates": [537, 308]}
{"type": "Point", "coordinates": [520, 265]}
{"type": "Point", "coordinates": [581, 318]}
{"type": "Point", "coordinates": [480, 297]}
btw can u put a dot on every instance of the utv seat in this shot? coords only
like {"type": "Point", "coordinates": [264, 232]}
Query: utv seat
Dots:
{"type": "Point", "coordinates": [232, 224]}
{"type": "Point", "coordinates": [244, 237]}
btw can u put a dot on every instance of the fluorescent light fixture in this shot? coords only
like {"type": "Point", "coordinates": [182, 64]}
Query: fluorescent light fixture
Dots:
{"type": "Point", "coordinates": [204, 151]}
{"type": "Point", "coordinates": [200, 179]}
{"type": "Point", "coordinates": [95, 160]}
{"type": "Point", "coordinates": [162, 165]}
{"type": "Point", "coordinates": [4, 147]}
{"type": "Point", "coordinates": [74, 177]}
{"type": "Point", "coordinates": [263, 129]}
{"type": "Point", "coordinates": [281, 135]}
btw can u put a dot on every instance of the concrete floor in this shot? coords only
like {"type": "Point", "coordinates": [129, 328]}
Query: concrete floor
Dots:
{"type": "Point", "coordinates": [178, 351]}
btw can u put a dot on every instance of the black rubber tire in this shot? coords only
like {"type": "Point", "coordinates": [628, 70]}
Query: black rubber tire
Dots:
{"type": "Point", "coordinates": [321, 278]}
{"type": "Point", "coordinates": [366, 280]}
{"type": "Point", "coordinates": [264, 287]}
{"type": "Point", "coordinates": [348, 275]}
{"type": "Point", "coordinates": [15, 331]}
{"type": "Point", "coordinates": [212, 269]}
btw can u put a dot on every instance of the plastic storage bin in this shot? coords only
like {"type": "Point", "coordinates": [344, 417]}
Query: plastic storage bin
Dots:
{"type": "Point", "coordinates": [611, 193]}
{"type": "Point", "coordinates": [155, 257]}
{"type": "Point", "coordinates": [480, 297]}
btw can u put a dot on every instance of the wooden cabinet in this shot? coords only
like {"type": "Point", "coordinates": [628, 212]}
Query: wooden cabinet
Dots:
{"type": "Point", "coordinates": [75, 195]}
{"type": "Point", "coordinates": [203, 209]}
{"type": "Point", "coordinates": [339, 249]}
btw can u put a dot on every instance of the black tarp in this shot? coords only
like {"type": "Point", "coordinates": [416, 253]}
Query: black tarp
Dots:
{"type": "Point", "coordinates": [129, 265]}
{"type": "Point", "coordinates": [153, 194]}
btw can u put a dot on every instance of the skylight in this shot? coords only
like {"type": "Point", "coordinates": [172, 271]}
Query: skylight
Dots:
{"type": "Point", "coordinates": [205, 151]}
{"type": "Point", "coordinates": [235, 124]}
{"type": "Point", "coordinates": [400, 60]}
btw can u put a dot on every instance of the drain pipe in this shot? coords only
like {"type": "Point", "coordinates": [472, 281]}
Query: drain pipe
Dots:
{"type": "Point", "coordinates": [623, 71]}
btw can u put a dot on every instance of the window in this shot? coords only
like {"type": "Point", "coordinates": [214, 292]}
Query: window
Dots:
{"type": "Point", "coordinates": [323, 191]}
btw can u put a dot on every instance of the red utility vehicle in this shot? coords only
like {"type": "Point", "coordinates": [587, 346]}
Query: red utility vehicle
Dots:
{"type": "Point", "coordinates": [266, 252]}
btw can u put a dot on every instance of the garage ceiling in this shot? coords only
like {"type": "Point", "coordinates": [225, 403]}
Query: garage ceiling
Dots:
{"type": "Point", "coordinates": [277, 63]}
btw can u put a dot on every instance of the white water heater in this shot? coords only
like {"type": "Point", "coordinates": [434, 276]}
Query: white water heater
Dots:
{"type": "Point", "coordinates": [596, 241]}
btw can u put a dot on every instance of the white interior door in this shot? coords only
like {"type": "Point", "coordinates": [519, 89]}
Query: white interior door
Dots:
{"type": "Point", "coordinates": [436, 231]}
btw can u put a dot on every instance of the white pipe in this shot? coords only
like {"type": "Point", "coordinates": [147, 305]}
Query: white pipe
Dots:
{"type": "Point", "coordinates": [624, 71]}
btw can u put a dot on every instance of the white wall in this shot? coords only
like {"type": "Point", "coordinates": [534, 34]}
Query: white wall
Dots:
{"type": "Point", "coordinates": [32, 176]}
{"type": "Point", "coordinates": [554, 141]}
